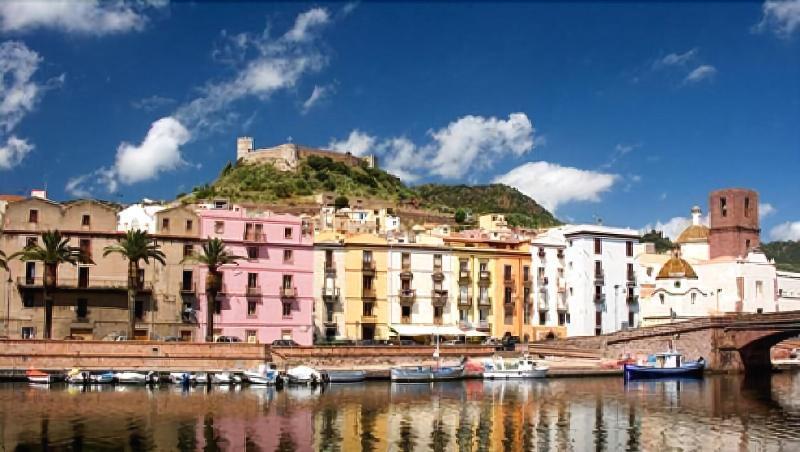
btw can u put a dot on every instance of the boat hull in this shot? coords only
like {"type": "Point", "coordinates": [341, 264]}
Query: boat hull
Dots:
{"type": "Point", "coordinates": [690, 370]}
{"type": "Point", "coordinates": [256, 378]}
{"type": "Point", "coordinates": [425, 374]}
{"type": "Point", "coordinates": [131, 378]}
{"type": "Point", "coordinates": [38, 377]}
{"type": "Point", "coordinates": [346, 376]}
{"type": "Point", "coordinates": [515, 374]}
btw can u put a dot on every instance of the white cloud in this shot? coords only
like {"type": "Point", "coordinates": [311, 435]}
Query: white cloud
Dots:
{"type": "Point", "coordinates": [700, 73]}
{"type": "Point", "coordinates": [86, 185]}
{"type": "Point", "coordinates": [673, 227]}
{"type": "Point", "coordinates": [765, 209]}
{"type": "Point", "coordinates": [85, 17]}
{"type": "Point", "coordinates": [357, 143]}
{"type": "Point", "coordinates": [159, 151]}
{"type": "Point", "coordinates": [305, 23]}
{"type": "Point", "coordinates": [552, 185]}
{"type": "Point", "coordinates": [319, 93]}
{"type": "Point", "coordinates": [478, 141]}
{"type": "Point", "coordinates": [13, 151]}
{"type": "Point", "coordinates": [676, 59]}
{"type": "Point", "coordinates": [151, 103]}
{"type": "Point", "coordinates": [620, 150]}
{"type": "Point", "coordinates": [782, 17]}
{"type": "Point", "coordinates": [403, 158]}
{"type": "Point", "coordinates": [789, 230]}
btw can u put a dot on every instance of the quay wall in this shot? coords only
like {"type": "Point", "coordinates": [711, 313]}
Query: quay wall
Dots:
{"type": "Point", "coordinates": [373, 357]}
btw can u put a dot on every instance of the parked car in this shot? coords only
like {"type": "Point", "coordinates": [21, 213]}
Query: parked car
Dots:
{"type": "Point", "coordinates": [453, 342]}
{"type": "Point", "coordinates": [284, 343]}
{"type": "Point", "coordinates": [73, 338]}
{"type": "Point", "coordinates": [121, 338]}
{"type": "Point", "coordinates": [228, 339]}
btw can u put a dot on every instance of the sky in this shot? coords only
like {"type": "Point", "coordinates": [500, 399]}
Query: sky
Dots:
{"type": "Point", "coordinates": [630, 113]}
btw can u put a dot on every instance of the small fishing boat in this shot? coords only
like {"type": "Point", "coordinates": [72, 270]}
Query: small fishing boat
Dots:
{"type": "Point", "coordinates": [236, 379]}
{"type": "Point", "coordinates": [303, 375]}
{"type": "Point", "coordinates": [180, 378]}
{"type": "Point", "coordinates": [201, 378]}
{"type": "Point", "coordinates": [425, 374]}
{"type": "Point", "coordinates": [665, 365]}
{"type": "Point", "coordinates": [132, 377]}
{"type": "Point", "coordinates": [101, 378]}
{"type": "Point", "coordinates": [262, 376]}
{"type": "Point", "coordinates": [76, 377]}
{"type": "Point", "coordinates": [346, 376]}
{"type": "Point", "coordinates": [221, 378]}
{"type": "Point", "coordinates": [38, 377]}
{"type": "Point", "coordinates": [524, 367]}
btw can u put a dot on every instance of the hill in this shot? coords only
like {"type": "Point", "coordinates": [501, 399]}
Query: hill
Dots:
{"type": "Point", "coordinates": [786, 254]}
{"type": "Point", "coordinates": [263, 183]}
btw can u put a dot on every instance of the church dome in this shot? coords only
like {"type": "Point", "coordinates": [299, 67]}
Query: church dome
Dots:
{"type": "Point", "coordinates": [696, 232]}
{"type": "Point", "coordinates": [676, 267]}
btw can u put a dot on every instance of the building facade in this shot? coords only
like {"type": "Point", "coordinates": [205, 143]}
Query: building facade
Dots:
{"type": "Point", "coordinates": [268, 294]}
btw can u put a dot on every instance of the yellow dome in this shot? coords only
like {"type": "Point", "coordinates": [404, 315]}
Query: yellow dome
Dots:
{"type": "Point", "coordinates": [693, 234]}
{"type": "Point", "coordinates": [676, 267]}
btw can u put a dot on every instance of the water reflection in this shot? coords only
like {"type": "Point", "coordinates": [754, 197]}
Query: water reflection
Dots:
{"type": "Point", "coordinates": [721, 413]}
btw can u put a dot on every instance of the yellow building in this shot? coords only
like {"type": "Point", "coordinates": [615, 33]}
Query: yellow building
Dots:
{"type": "Point", "coordinates": [365, 306]}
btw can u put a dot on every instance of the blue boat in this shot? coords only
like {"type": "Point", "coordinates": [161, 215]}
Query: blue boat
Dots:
{"type": "Point", "coordinates": [425, 374]}
{"type": "Point", "coordinates": [346, 376]}
{"type": "Point", "coordinates": [666, 365]}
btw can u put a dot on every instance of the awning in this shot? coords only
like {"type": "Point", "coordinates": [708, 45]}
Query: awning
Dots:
{"type": "Point", "coordinates": [426, 330]}
{"type": "Point", "coordinates": [474, 333]}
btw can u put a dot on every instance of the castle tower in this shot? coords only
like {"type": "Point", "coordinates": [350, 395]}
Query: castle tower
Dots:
{"type": "Point", "coordinates": [734, 222]}
{"type": "Point", "coordinates": [244, 145]}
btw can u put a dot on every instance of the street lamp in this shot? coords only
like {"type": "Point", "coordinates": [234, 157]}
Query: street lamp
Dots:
{"type": "Point", "coordinates": [616, 292]}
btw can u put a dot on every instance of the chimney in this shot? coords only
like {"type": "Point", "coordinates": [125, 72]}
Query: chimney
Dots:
{"type": "Point", "coordinates": [39, 193]}
{"type": "Point", "coordinates": [696, 212]}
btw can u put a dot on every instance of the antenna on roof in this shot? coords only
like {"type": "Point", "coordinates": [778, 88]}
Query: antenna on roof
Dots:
{"type": "Point", "coordinates": [289, 139]}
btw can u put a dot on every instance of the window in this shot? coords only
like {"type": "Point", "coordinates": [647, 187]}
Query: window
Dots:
{"type": "Point", "coordinates": [219, 227]}
{"type": "Point", "coordinates": [251, 336]}
{"type": "Point", "coordinates": [598, 269]}
{"type": "Point", "coordinates": [328, 258]}
{"type": "Point", "coordinates": [463, 315]}
{"type": "Point", "coordinates": [252, 280]}
{"type": "Point", "coordinates": [83, 277]}
{"type": "Point", "coordinates": [139, 309]}
{"type": "Point", "coordinates": [630, 272]}
{"type": "Point", "coordinates": [759, 289]}
{"type": "Point", "coordinates": [252, 252]}
{"type": "Point", "coordinates": [287, 256]}
{"type": "Point", "coordinates": [366, 282]}
{"type": "Point", "coordinates": [661, 298]}
{"type": "Point", "coordinates": [526, 273]}
{"type": "Point", "coordinates": [189, 225]}
{"type": "Point", "coordinates": [28, 332]}
{"type": "Point", "coordinates": [542, 317]}
{"type": "Point", "coordinates": [462, 265]}
{"type": "Point", "coordinates": [483, 315]}
{"type": "Point", "coordinates": [723, 206]}
{"type": "Point", "coordinates": [82, 308]}
{"type": "Point", "coordinates": [629, 249]}
{"type": "Point", "coordinates": [507, 296]}
{"type": "Point", "coordinates": [694, 297]}
{"type": "Point", "coordinates": [287, 233]}
{"type": "Point", "coordinates": [484, 267]}
{"type": "Point", "coordinates": [251, 308]}
{"type": "Point", "coordinates": [287, 281]}
{"type": "Point", "coordinates": [367, 309]}
{"type": "Point", "coordinates": [405, 260]}
{"type": "Point", "coordinates": [188, 250]}
{"type": "Point", "coordinates": [86, 220]}
{"type": "Point", "coordinates": [437, 261]}
{"type": "Point", "coordinates": [507, 272]}
{"type": "Point", "coordinates": [30, 273]}
{"type": "Point", "coordinates": [747, 206]}
{"type": "Point", "coordinates": [165, 224]}
{"type": "Point", "coordinates": [437, 313]}
{"type": "Point", "coordinates": [598, 246]}
{"type": "Point", "coordinates": [747, 244]}
{"type": "Point", "coordinates": [186, 281]}
{"type": "Point", "coordinates": [27, 300]}
{"type": "Point", "coordinates": [405, 312]}
{"type": "Point", "coordinates": [218, 307]}
{"type": "Point", "coordinates": [85, 246]}
{"type": "Point", "coordinates": [33, 216]}
{"type": "Point", "coordinates": [367, 256]}
{"type": "Point", "coordinates": [649, 271]}
{"type": "Point", "coordinates": [31, 241]}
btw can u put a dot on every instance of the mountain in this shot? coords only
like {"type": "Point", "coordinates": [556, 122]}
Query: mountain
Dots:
{"type": "Point", "coordinates": [786, 254]}
{"type": "Point", "coordinates": [263, 183]}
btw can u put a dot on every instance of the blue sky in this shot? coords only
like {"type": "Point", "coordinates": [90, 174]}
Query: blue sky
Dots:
{"type": "Point", "coordinates": [630, 112]}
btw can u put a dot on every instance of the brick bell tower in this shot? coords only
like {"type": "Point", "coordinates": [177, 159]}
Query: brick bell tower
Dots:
{"type": "Point", "coordinates": [734, 225]}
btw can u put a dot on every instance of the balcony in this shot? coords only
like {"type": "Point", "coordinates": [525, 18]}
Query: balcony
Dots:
{"type": "Point", "coordinates": [405, 320]}
{"type": "Point", "coordinates": [369, 319]}
{"type": "Point", "coordinates": [543, 304]}
{"type": "Point", "coordinates": [439, 297]}
{"type": "Point", "coordinates": [288, 292]}
{"type": "Point", "coordinates": [96, 284]}
{"type": "Point", "coordinates": [368, 267]}
{"type": "Point", "coordinates": [510, 305]}
{"type": "Point", "coordinates": [483, 325]}
{"type": "Point", "coordinates": [254, 237]}
{"type": "Point", "coordinates": [484, 277]}
{"type": "Point", "coordinates": [330, 292]}
{"type": "Point", "coordinates": [368, 293]}
{"type": "Point", "coordinates": [599, 277]}
{"type": "Point", "coordinates": [464, 276]}
{"type": "Point", "coordinates": [484, 301]}
{"type": "Point", "coordinates": [631, 280]}
{"type": "Point", "coordinates": [253, 291]}
{"type": "Point", "coordinates": [407, 296]}
{"type": "Point", "coordinates": [464, 301]}
{"type": "Point", "coordinates": [541, 253]}
{"type": "Point", "coordinates": [544, 280]}
{"type": "Point", "coordinates": [561, 304]}
{"type": "Point", "coordinates": [406, 275]}
{"type": "Point", "coordinates": [186, 288]}
{"type": "Point", "coordinates": [330, 269]}
{"type": "Point", "coordinates": [527, 281]}
{"type": "Point", "coordinates": [599, 298]}
{"type": "Point", "coordinates": [437, 275]}
{"type": "Point", "coordinates": [561, 285]}
{"type": "Point", "coordinates": [509, 280]}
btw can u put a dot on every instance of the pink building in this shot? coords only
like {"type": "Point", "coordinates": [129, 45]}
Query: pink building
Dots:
{"type": "Point", "coordinates": [268, 295]}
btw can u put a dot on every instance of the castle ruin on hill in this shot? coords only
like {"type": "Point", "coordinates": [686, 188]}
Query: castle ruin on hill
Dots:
{"type": "Point", "coordinates": [287, 156]}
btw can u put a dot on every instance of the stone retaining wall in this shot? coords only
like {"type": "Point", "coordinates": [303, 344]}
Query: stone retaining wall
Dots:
{"type": "Point", "coordinates": [370, 357]}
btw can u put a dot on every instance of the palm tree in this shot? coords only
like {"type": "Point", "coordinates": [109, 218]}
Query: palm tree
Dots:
{"type": "Point", "coordinates": [135, 246]}
{"type": "Point", "coordinates": [3, 261]}
{"type": "Point", "coordinates": [56, 251]}
{"type": "Point", "coordinates": [214, 256]}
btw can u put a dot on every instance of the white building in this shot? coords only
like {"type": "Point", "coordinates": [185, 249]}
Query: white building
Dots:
{"type": "Point", "coordinates": [329, 286]}
{"type": "Point", "coordinates": [788, 291]}
{"type": "Point", "coordinates": [585, 278]}
{"type": "Point", "coordinates": [139, 217]}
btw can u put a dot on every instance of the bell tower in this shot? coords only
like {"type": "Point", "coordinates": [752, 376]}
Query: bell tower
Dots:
{"type": "Point", "coordinates": [734, 225]}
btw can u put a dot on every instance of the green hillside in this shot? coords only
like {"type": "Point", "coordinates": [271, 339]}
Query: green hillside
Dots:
{"type": "Point", "coordinates": [786, 254]}
{"type": "Point", "coordinates": [245, 182]}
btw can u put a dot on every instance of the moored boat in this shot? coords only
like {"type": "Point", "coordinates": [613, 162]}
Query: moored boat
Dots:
{"type": "Point", "coordinates": [424, 374]}
{"type": "Point", "coordinates": [665, 365]}
{"type": "Point", "coordinates": [181, 378]}
{"type": "Point", "coordinates": [262, 376]}
{"type": "Point", "coordinates": [524, 367]}
{"type": "Point", "coordinates": [131, 377]}
{"type": "Point", "coordinates": [101, 377]}
{"type": "Point", "coordinates": [303, 375]}
{"type": "Point", "coordinates": [38, 377]}
{"type": "Point", "coordinates": [346, 376]}
{"type": "Point", "coordinates": [221, 378]}
{"type": "Point", "coordinates": [201, 378]}
{"type": "Point", "coordinates": [76, 377]}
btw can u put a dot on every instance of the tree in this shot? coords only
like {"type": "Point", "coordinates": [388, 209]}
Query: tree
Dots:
{"type": "Point", "coordinates": [460, 216]}
{"type": "Point", "coordinates": [56, 251]}
{"type": "Point", "coordinates": [663, 244]}
{"type": "Point", "coordinates": [3, 261]}
{"type": "Point", "coordinates": [341, 202]}
{"type": "Point", "coordinates": [135, 246]}
{"type": "Point", "coordinates": [214, 256]}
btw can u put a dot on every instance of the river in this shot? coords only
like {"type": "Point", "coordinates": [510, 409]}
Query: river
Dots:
{"type": "Point", "coordinates": [718, 413]}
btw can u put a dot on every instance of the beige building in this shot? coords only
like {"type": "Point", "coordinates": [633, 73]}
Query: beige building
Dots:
{"type": "Point", "coordinates": [91, 299]}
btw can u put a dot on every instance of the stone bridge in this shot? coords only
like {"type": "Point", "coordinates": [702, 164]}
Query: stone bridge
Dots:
{"type": "Point", "coordinates": [728, 343]}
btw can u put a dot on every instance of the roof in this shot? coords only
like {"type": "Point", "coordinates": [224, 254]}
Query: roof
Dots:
{"type": "Point", "coordinates": [593, 229]}
{"type": "Point", "coordinates": [696, 233]}
{"type": "Point", "coordinates": [11, 198]}
{"type": "Point", "coordinates": [676, 267]}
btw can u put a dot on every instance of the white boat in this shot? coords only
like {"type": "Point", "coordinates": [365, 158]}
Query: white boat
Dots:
{"type": "Point", "coordinates": [262, 376]}
{"type": "Point", "coordinates": [221, 378]}
{"type": "Point", "coordinates": [38, 377]}
{"type": "Point", "coordinates": [237, 379]}
{"type": "Point", "coordinates": [303, 375]}
{"type": "Point", "coordinates": [76, 377]}
{"type": "Point", "coordinates": [524, 367]}
{"type": "Point", "coordinates": [181, 378]}
{"type": "Point", "coordinates": [201, 378]}
{"type": "Point", "coordinates": [131, 377]}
